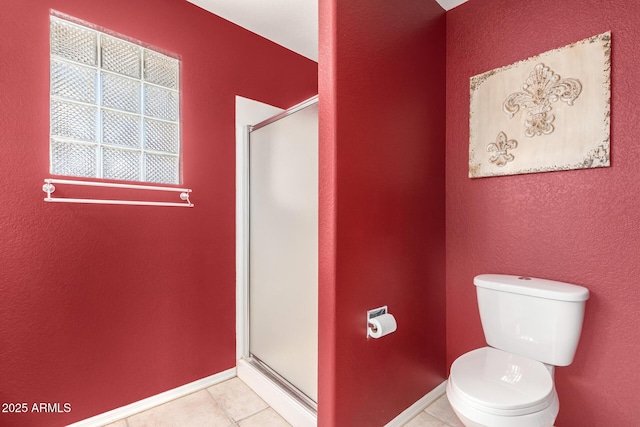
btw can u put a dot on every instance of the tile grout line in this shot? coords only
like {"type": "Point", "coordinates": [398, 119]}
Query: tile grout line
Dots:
{"type": "Point", "coordinates": [253, 415]}
{"type": "Point", "coordinates": [126, 422]}
{"type": "Point", "coordinates": [234, 421]}
{"type": "Point", "coordinates": [229, 417]}
{"type": "Point", "coordinates": [434, 415]}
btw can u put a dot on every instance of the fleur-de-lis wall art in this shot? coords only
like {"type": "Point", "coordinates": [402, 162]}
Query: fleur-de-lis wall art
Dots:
{"type": "Point", "coordinates": [542, 88]}
{"type": "Point", "coordinates": [501, 148]}
{"type": "Point", "coordinates": [553, 108]}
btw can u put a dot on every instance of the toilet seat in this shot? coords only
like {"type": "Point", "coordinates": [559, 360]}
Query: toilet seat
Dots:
{"type": "Point", "coordinates": [501, 383]}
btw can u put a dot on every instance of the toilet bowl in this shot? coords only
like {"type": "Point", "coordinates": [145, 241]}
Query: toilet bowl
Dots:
{"type": "Point", "coordinates": [493, 388]}
{"type": "Point", "coordinates": [531, 326]}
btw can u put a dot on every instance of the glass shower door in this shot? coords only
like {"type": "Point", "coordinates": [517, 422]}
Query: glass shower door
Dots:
{"type": "Point", "coordinates": [283, 247]}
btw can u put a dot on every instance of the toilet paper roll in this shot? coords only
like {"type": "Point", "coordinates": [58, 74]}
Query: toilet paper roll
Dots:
{"type": "Point", "coordinates": [382, 325]}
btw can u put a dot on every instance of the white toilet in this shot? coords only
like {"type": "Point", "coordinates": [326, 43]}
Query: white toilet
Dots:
{"type": "Point", "coordinates": [532, 326]}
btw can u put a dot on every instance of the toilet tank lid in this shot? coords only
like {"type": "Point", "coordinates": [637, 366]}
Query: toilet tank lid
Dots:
{"type": "Point", "coordinates": [541, 288]}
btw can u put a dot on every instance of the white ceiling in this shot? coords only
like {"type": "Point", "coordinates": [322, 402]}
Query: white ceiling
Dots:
{"type": "Point", "coordinates": [450, 4]}
{"type": "Point", "coordinates": [290, 23]}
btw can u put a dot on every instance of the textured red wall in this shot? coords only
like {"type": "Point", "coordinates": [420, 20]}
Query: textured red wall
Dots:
{"type": "Point", "coordinates": [576, 226]}
{"type": "Point", "coordinates": [382, 74]}
{"type": "Point", "coordinates": [101, 306]}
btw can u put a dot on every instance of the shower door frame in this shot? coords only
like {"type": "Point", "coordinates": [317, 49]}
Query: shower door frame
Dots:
{"type": "Point", "coordinates": [275, 390]}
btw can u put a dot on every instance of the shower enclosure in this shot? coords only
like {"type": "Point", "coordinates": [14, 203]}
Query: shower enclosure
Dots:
{"type": "Point", "coordinates": [281, 251]}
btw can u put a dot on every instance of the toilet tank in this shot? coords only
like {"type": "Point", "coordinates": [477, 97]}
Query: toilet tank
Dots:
{"type": "Point", "coordinates": [536, 318]}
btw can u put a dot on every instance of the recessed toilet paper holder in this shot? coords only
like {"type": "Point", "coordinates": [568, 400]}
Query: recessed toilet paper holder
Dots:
{"type": "Point", "coordinates": [370, 315]}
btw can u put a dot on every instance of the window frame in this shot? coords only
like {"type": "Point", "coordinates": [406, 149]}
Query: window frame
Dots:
{"type": "Point", "coordinates": [140, 150]}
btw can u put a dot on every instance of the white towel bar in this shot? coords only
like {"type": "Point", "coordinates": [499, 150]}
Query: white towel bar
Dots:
{"type": "Point", "coordinates": [49, 188]}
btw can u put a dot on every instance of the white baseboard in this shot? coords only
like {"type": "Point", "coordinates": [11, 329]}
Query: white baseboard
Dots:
{"type": "Point", "coordinates": [291, 410]}
{"type": "Point", "coordinates": [413, 410]}
{"type": "Point", "coordinates": [279, 400]}
{"type": "Point", "coordinates": [158, 399]}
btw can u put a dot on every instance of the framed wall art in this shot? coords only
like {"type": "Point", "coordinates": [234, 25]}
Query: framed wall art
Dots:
{"type": "Point", "coordinates": [546, 113]}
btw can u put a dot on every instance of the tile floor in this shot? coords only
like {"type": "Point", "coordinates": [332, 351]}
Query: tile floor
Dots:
{"type": "Point", "coordinates": [233, 403]}
{"type": "Point", "coordinates": [438, 414]}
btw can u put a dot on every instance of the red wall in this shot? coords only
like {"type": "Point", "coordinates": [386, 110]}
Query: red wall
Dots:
{"type": "Point", "coordinates": [382, 123]}
{"type": "Point", "coordinates": [576, 226]}
{"type": "Point", "coordinates": [101, 306]}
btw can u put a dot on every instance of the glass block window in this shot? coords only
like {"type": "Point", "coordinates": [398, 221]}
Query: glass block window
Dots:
{"type": "Point", "coordinates": [115, 106]}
